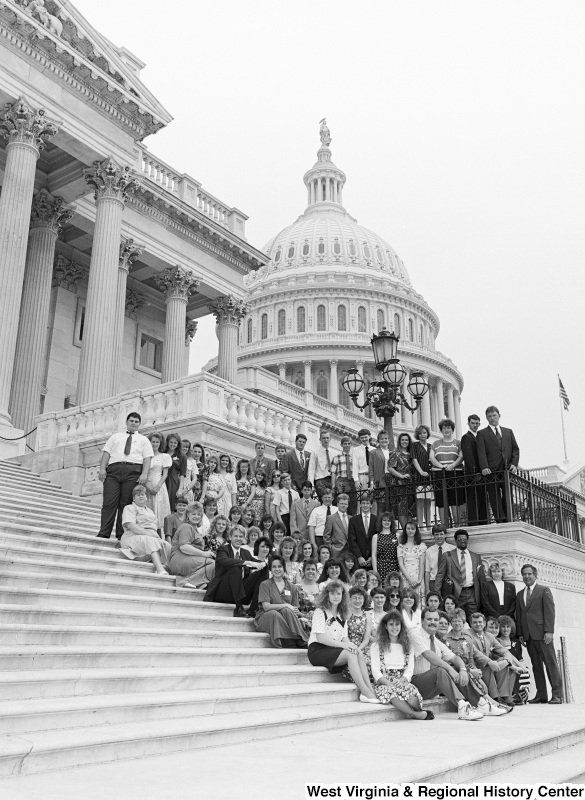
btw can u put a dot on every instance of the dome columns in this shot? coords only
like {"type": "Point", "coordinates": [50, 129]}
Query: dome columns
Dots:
{"type": "Point", "coordinates": [177, 284]}
{"type": "Point", "coordinates": [457, 403]}
{"type": "Point", "coordinates": [426, 407]}
{"type": "Point", "coordinates": [228, 312]}
{"type": "Point", "coordinates": [282, 371]}
{"type": "Point", "coordinates": [333, 383]}
{"type": "Point", "coordinates": [308, 376]}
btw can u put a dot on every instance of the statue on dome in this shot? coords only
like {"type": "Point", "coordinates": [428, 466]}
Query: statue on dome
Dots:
{"type": "Point", "coordinates": [324, 133]}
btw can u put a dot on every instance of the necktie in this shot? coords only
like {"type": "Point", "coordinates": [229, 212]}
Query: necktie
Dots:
{"type": "Point", "coordinates": [344, 519]}
{"type": "Point", "coordinates": [278, 463]}
{"type": "Point", "coordinates": [367, 456]}
{"type": "Point", "coordinates": [463, 569]}
{"type": "Point", "coordinates": [440, 555]}
{"type": "Point", "coordinates": [289, 500]}
{"type": "Point", "coordinates": [302, 460]}
{"type": "Point", "coordinates": [528, 594]}
{"type": "Point", "coordinates": [498, 436]}
{"type": "Point", "coordinates": [347, 472]}
{"type": "Point", "coordinates": [128, 444]}
{"type": "Point", "coordinates": [328, 511]}
{"type": "Point", "coordinates": [366, 523]}
{"type": "Point", "coordinates": [328, 459]}
{"type": "Point", "coordinates": [432, 638]}
{"type": "Point", "coordinates": [306, 505]}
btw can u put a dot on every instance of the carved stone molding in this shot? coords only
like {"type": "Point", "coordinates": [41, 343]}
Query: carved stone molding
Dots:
{"type": "Point", "coordinates": [129, 252]}
{"type": "Point", "coordinates": [190, 331]}
{"type": "Point", "coordinates": [176, 282]}
{"type": "Point", "coordinates": [49, 212]}
{"type": "Point", "coordinates": [110, 180]}
{"type": "Point", "coordinates": [134, 302]}
{"type": "Point", "coordinates": [228, 310]}
{"type": "Point", "coordinates": [551, 574]}
{"type": "Point", "coordinates": [22, 124]}
{"type": "Point", "coordinates": [67, 274]}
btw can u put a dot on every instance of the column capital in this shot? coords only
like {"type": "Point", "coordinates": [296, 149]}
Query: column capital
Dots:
{"type": "Point", "coordinates": [307, 363]}
{"type": "Point", "coordinates": [333, 362]}
{"type": "Point", "coordinates": [228, 309]}
{"type": "Point", "coordinates": [110, 180]}
{"type": "Point", "coordinates": [129, 252]}
{"type": "Point", "coordinates": [176, 282]}
{"type": "Point", "coordinates": [67, 273]}
{"type": "Point", "coordinates": [190, 330]}
{"type": "Point", "coordinates": [134, 302]}
{"type": "Point", "coordinates": [21, 124]}
{"type": "Point", "coordinates": [49, 212]}
{"type": "Point", "coordinates": [281, 366]}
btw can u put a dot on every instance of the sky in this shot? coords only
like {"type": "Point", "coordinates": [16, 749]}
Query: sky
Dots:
{"type": "Point", "coordinates": [461, 129]}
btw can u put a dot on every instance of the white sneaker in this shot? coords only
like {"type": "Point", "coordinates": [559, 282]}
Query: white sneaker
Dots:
{"type": "Point", "coordinates": [468, 712]}
{"type": "Point", "coordinates": [490, 709]}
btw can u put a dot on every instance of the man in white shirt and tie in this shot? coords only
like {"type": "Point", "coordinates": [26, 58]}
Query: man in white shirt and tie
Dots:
{"type": "Point", "coordinates": [361, 459]}
{"type": "Point", "coordinates": [124, 463]}
{"type": "Point", "coordinates": [337, 527]}
{"type": "Point", "coordinates": [319, 517]}
{"type": "Point", "coordinates": [283, 501]}
{"type": "Point", "coordinates": [320, 466]}
{"type": "Point", "coordinates": [434, 555]}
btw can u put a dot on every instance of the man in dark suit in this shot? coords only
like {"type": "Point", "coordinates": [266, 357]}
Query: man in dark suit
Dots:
{"type": "Point", "coordinates": [336, 530]}
{"type": "Point", "coordinates": [497, 451]}
{"type": "Point", "coordinates": [296, 462]}
{"type": "Point", "coordinates": [535, 625]}
{"type": "Point", "coordinates": [475, 496]}
{"type": "Point", "coordinates": [467, 573]}
{"type": "Point", "coordinates": [262, 462]}
{"type": "Point", "coordinates": [361, 529]}
{"type": "Point", "coordinates": [229, 584]}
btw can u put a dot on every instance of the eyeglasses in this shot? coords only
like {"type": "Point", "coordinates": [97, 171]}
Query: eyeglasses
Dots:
{"type": "Point", "coordinates": [393, 595]}
{"type": "Point", "coordinates": [276, 474]}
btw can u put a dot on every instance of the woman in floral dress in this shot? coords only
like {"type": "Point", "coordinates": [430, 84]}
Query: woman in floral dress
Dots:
{"type": "Point", "coordinates": [411, 560]}
{"type": "Point", "coordinates": [178, 468]}
{"type": "Point", "coordinates": [226, 473]}
{"type": "Point", "coordinates": [188, 482]}
{"type": "Point", "coordinates": [385, 548]}
{"type": "Point", "coordinates": [156, 490]}
{"type": "Point", "coordinates": [243, 482]}
{"type": "Point", "coordinates": [401, 469]}
{"type": "Point", "coordinates": [256, 499]}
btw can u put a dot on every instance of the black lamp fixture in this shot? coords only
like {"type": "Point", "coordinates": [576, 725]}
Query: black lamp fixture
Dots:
{"type": "Point", "coordinates": [386, 396]}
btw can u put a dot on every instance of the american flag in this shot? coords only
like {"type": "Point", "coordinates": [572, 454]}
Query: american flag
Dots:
{"type": "Point", "coordinates": [563, 395]}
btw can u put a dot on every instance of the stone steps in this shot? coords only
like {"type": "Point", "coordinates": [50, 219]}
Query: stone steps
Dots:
{"type": "Point", "coordinates": [52, 519]}
{"type": "Point", "coordinates": [564, 765]}
{"type": "Point", "coordinates": [53, 553]}
{"type": "Point", "coordinates": [51, 564]}
{"type": "Point", "coordinates": [57, 535]}
{"type": "Point", "coordinates": [32, 499]}
{"type": "Point", "coordinates": [27, 482]}
{"type": "Point", "coordinates": [35, 541]}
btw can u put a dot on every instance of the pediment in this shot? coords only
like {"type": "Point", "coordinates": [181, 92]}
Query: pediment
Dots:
{"type": "Point", "coordinates": [63, 35]}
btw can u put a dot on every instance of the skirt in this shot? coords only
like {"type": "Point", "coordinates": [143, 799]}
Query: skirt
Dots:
{"type": "Point", "coordinates": [403, 691]}
{"type": "Point", "coordinates": [321, 655]}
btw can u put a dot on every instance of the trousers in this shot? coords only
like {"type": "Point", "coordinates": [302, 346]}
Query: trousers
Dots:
{"type": "Point", "coordinates": [121, 478]}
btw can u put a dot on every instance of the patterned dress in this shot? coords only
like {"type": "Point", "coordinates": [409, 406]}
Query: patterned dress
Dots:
{"type": "Point", "coordinates": [159, 502]}
{"type": "Point", "coordinates": [402, 497]}
{"type": "Point", "coordinates": [411, 557]}
{"type": "Point", "coordinates": [243, 491]}
{"type": "Point", "coordinates": [386, 554]}
{"type": "Point", "coordinates": [356, 630]}
{"type": "Point", "coordinates": [385, 666]}
{"type": "Point", "coordinates": [192, 473]}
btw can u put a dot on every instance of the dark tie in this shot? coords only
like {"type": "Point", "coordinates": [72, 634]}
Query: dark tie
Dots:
{"type": "Point", "coordinates": [367, 455]}
{"type": "Point", "coordinates": [499, 437]}
{"type": "Point", "coordinates": [128, 444]}
{"type": "Point", "coordinates": [463, 569]}
{"type": "Point", "coordinates": [289, 500]}
{"type": "Point", "coordinates": [306, 505]}
{"type": "Point", "coordinates": [347, 465]}
{"type": "Point", "coordinates": [528, 594]}
{"type": "Point", "coordinates": [440, 556]}
{"type": "Point", "coordinates": [328, 459]}
{"type": "Point", "coordinates": [328, 511]}
{"type": "Point", "coordinates": [432, 638]}
{"type": "Point", "coordinates": [302, 460]}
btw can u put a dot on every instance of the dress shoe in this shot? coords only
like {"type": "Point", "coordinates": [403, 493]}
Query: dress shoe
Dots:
{"type": "Point", "coordinates": [518, 702]}
{"type": "Point", "coordinates": [556, 701]}
{"type": "Point", "coordinates": [537, 700]}
{"type": "Point", "coordinates": [239, 612]}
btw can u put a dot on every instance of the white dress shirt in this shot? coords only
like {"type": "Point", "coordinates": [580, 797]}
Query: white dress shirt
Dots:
{"type": "Point", "coordinates": [360, 465]}
{"type": "Point", "coordinates": [139, 449]}
{"type": "Point", "coordinates": [318, 518]}
{"type": "Point", "coordinates": [319, 468]}
{"type": "Point", "coordinates": [432, 558]}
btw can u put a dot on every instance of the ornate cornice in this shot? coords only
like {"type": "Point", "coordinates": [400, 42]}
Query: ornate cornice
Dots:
{"type": "Point", "coordinates": [134, 302]}
{"type": "Point", "coordinates": [21, 124]}
{"type": "Point", "coordinates": [110, 180]}
{"type": "Point", "coordinates": [228, 309]}
{"type": "Point", "coordinates": [129, 252]}
{"type": "Point", "coordinates": [49, 212]}
{"type": "Point", "coordinates": [177, 282]}
{"type": "Point", "coordinates": [67, 274]}
{"type": "Point", "coordinates": [190, 330]}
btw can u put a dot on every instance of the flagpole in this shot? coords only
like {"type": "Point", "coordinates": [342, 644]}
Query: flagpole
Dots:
{"type": "Point", "coordinates": [563, 425]}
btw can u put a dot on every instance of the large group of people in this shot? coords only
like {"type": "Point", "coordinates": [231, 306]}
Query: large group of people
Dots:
{"type": "Point", "coordinates": [294, 544]}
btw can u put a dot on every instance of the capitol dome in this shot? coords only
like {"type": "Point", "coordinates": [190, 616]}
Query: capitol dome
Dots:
{"type": "Point", "coordinates": [330, 283]}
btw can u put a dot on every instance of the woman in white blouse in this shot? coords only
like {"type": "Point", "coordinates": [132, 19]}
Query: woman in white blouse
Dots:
{"type": "Point", "coordinates": [410, 609]}
{"type": "Point", "coordinates": [392, 663]}
{"type": "Point", "coordinates": [329, 645]}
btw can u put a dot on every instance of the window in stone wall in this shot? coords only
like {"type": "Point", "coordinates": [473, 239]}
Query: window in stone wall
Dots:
{"type": "Point", "coordinates": [352, 248]}
{"type": "Point", "coordinates": [380, 320]}
{"type": "Point", "coordinates": [362, 321]}
{"type": "Point", "coordinates": [301, 319]}
{"type": "Point", "coordinates": [291, 251]}
{"type": "Point", "coordinates": [277, 256]}
{"type": "Point", "coordinates": [321, 318]}
{"type": "Point", "coordinates": [397, 325]}
{"type": "Point", "coordinates": [321, 385]}
{"type": "Point", "coordinates": [249, 336]}
{"type": "Point", "coordinates": [306, 249]}
{"type": "Point", "coordinates": [281, 322]}
{"type": "Point", "coordinates": [411, 330]}
{"type": "Point", "coordinates": [264, 326]}
{"type": "Point", "coordinates": [151, 350]}
{"type": "Point", "coordinates": [79, 322]}
{"type": "Point", "coordinates": [341, 318]}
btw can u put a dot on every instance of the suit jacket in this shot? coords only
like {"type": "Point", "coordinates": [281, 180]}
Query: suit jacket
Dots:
{"type": "Point", "coordinates": [360, 540]}
{"type": "Point", "coordinates": [268, 468]}
{"type": "Point", "coordinates": [224, 561]}
{"type": "Point", "coordinates": [299, 516]}
{"type": "Point", "coordinates": [490, 600]}
{"type": "Point", "coordinates": [469, 450]}
{"type": "Point", "coordinates": [450, 566]}
{"type": "Point", "coordinates": [490, 649]}
{"type": "Point", "coordinates": [377, 467]}
{"type": "Point", "coordinates": [492, 455]}
{"type": "Point", "coordinates": [539, 618]}
{"type": "Point", "coordinates": [292, 465]}
{"type": "Point", "coordinates": [335, 534]}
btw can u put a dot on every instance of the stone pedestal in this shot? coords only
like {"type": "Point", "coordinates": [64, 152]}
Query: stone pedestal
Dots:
{"type": "Point", "coordinates": [112, 184]}
{"type": "Point", "coordinates": [25, 130]}
{"type": "Point", "coordinates": [47, 216]}
{"type": "Point", "coordinates": [176, 284]}
{"type": "Point", "coordinates": [229, 312]}
{"type": "Point", "coordinates": [127, 255]}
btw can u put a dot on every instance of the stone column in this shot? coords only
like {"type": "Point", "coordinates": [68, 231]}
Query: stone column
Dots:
{"type": "Point", "coordinates": [47, 217]}
{"type": "Point", "coordinates": [450, 402]}
{"type": "Point", "coordinates": [25, 130]}
{"type": "Point", "coordinates": [229, 312]}
{"type": "Point", "coordinates": [426, 405]}
{"type": "Point", "coordinates": [112, 185]}
{"type": "Point", "coordinates": [177, 284]}
{"type": "Point", "coordinates": [308, 377]}
{"type": "Point", "coordinates": [333, 384]}
{"type": "Point", "coordinates": [190, 331]}
{"type": "Point", "coordinates": [440, 402]}
{"type": "Point", "coordinates": [282, 372]}
{"type": "Point", "coordinates": [458, 428]}
{"type": "Point", "coordinates": [128, 254]}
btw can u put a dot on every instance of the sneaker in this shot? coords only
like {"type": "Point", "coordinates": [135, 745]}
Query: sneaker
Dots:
{"type": "Point", "coordinates": [468, 712]}
{"type": "Point", "coordinates": [491, 709]}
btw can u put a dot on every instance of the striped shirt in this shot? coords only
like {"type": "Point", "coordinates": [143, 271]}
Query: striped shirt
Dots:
{"type": "Point", "coordinates": [446, 452]}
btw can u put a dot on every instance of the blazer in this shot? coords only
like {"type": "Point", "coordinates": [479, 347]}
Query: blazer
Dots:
{"type": "Point", "coordinates": [450, 566]}
{"type": "Point", "coordinates": [299, 516]}
{"type": "Point", "coordinates": [360, 540]}
{"type": "Point", "coordinates": [292, 465]}
{"type": "Point", "coordinates": [493, 456]}
{"type": "Point", "coordinates": [469, 450]}
{"type": "Point", "coordinates": [268, 468]}
{"type": "Point", "coordinates": [224, 561]}
{"type": "Point", "coordinates": [539, 618]}
{"type": "Point", "coordinates": [490, 600]}
{"type": "Point", "coordinates": [335, 534]}
{"type": "Point", "coordinates": [488, 647]}
{"type": "Point", "coordinates": [377, 467]}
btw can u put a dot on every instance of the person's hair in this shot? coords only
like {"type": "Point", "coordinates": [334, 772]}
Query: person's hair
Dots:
{"type": "Point", "coordinates": [426, 611]}
{"type": "Point", "coordinates": [194, 506]}
{"type": "Point", "coordinates": [432, 594]}
{"type": "Point", "coordinates": [200, 446]}
{"type": "Point", "coordinates": [401, 436]}
{"type": "Point", "coordinates": [363, 432]}
{"type": "Point", "coordinates": [328, 493]}
{"type": "Point", "coordinates": [262, 481]}
{"type": "Point", "coordinates": [358, 590]}
{"type": "Point", "coordinates": [212, 457]}
{"type": "Point", "coordinates": [324, 430]}
{"type": "Point", "coordinates": [262, 540]}
{"type": "Point", "coordinates": [134, 414]}
{"type": "Point", "coordinates": [180, 498]}
{"type": "Point", "coordinates": [385, 515]}
{"type": "Point", "coordinates": [266, 518]}
{"type": "Point", "coordinates": [360, 572]}
{"type": "Point", "coordinates": [388, 578]}
{"type": "Point", "coordinates": [176, 436]}
{"type": "Point", "coordinates": [459, 612]}
{"type": "Point", "coordinates": [324, 602]}
{"type": "Point", "coordinates": [291, 541]}
{"type": "Point", "coordinates": [307, 485]}
{"type": "Point", "coordinates": [377, 590]}
{"type": "Point", "coordinates": [348, 555]}
{"type": "Point", "coordinates": [473, 416]}
{"type": "Point", "coordinates": [161, 437]}
{"type": "Point", "coordinates": [477, 615]}
{"type": "Point", "coordinates": [237, 509]}
{"type": "Point", "coordinates": [382, 433]}
{"type": "Point", "coordinates": [254, 529]}
{"type": "Point", "coordinates": [459, 532]}
{"type": "Point", "coordinates": [492, 619]}
{"type": "Point", "coordinates": [305, 564]}
{"type": "Point", "coordinates": [208, 501]}
{"type": "Point", "coordinates": [313, 555]}
{"type": "Point", "coordinates": [408, 592]}
{"type": "Point", "coordinates": [439, 528]}
{"type": "Point", "coordinates": [276, 557]}
{"type": "Point", "coordinates": [138, 489]}
{"type": "Point", "coordinates": [529, 566]}
{"type": "Point", "coordinates": [333, 562]}
{"type": "Point", "coordinates": [508, 622]}
{"type": "Point", "coordinates": [186, 441]}
{"type": "Point", "coordinates": [449, 597]}
{"type": "Point", "coordinates": [404, 537]}
{"type": "Point", "coordinates": [345, 439]}
{"type": "Point", "coordinates": [283, 476]}
{"type": "Point", "coordinates": [383, 636]}
{"type": "Point", "coordinates": [373, 574]}
{"type": "Point", "coordinates": [420, 428]}
{"type": "Point", "coordinates": [446, 422]}
{"type": "Point", "coordinates": [280, 446]}
{"type": "Point", "coordinates": [278, 526]}
{"type": "Point", "coordinates": [300, 436]}
{"type": "Point", "coordinates": [342, 496]}
{"type": "Point", "coordinates": [495, 564]}
{"type": "Point", "coordinates": [230, 466]}
{"type": "Point", "coordinates": [239, 465]}
{"type": "Point", "coordinates": [491, 409]}
{"type": "Point", "coordinates": [275, 476]}
{"type": "Point", "coordinates": [321, 546]}
{"type": "Point", "coordinates": [234, 528]}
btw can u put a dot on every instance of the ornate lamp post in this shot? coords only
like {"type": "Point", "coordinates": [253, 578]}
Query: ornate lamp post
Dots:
{"type": "Point", "coordinates": [386, 396]}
